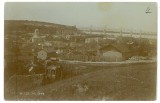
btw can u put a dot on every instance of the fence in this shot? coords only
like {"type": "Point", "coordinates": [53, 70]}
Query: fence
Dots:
{"type": "Point", "coordinates": [90, 58]}
{"type": "Point", "coordinates": [75, 57]}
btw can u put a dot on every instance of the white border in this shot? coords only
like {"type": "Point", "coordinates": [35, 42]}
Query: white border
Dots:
{"type": "Point", "coordinates": [2, 50]}
{"type": "Point", "coordinates": [2, 44]}
{"type": "Point", "coordinates": [80, 0]}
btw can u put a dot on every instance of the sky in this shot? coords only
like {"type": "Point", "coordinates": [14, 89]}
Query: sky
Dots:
{"type": "Point", "coordinates": [131, 16]}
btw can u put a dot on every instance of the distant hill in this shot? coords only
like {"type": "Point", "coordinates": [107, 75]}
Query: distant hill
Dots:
{"type": "Point", "coordinates": [25, 26]}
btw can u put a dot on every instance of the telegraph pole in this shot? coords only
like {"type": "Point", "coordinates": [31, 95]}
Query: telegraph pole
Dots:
{"type": "Point", "coordinates": [121, 32]}
{"type": "Point", "coordinates": [91, 29]}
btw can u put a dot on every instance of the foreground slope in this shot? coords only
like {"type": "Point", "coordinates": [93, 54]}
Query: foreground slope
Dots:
{"type": "Point", "coordinates": [128, 82]}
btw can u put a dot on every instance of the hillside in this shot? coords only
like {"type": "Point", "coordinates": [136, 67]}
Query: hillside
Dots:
{"type": "Point", "coordinates": [129, 82]}
{"type": "Point", "coordinates": [87, 73]}
{"type": "Point", "coordinates": [25, 26]}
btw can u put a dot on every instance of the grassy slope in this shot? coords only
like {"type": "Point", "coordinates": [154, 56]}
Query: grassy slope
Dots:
{"type": "Point", "coordinates": [132, 82]}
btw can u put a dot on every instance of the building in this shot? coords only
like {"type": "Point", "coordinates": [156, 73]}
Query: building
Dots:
{"type": "Point", "coordinates": [36, 38]}
{"type": "Point", "coordinates": [114, 53]}
{"type": "Point", "coordinates": [47, 53]}
{"type": "Point", "coordinates": [92, 40]}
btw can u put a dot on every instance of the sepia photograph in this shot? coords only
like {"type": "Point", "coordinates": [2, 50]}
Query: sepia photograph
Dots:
{"type": "Point", "coordinates": [80, 51]}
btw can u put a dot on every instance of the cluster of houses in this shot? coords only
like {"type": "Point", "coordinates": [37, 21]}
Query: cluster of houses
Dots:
{"type": "Point", "coordinates": [68, 43]}
{"type": "Point", "coordinates": [23, 47]}
{"type": "Point", "coordinates": [83, 47]}
{"type": "Point", "coordinates": [24, 44]}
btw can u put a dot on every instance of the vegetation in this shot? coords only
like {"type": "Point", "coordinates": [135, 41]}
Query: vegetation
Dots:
{"type": "Point", "coordinates": [121, 82]}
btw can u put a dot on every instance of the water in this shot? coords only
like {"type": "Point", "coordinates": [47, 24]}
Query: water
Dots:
{"type": "Point", "coordinates": [149, 36]}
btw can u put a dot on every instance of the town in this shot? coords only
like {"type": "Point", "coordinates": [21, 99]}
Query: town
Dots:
{"type": "Point", "coordinates": [29, 45]}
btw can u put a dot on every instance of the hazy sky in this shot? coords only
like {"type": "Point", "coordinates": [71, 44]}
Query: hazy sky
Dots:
{"type": "Point", "coordinates": [110, 15]}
